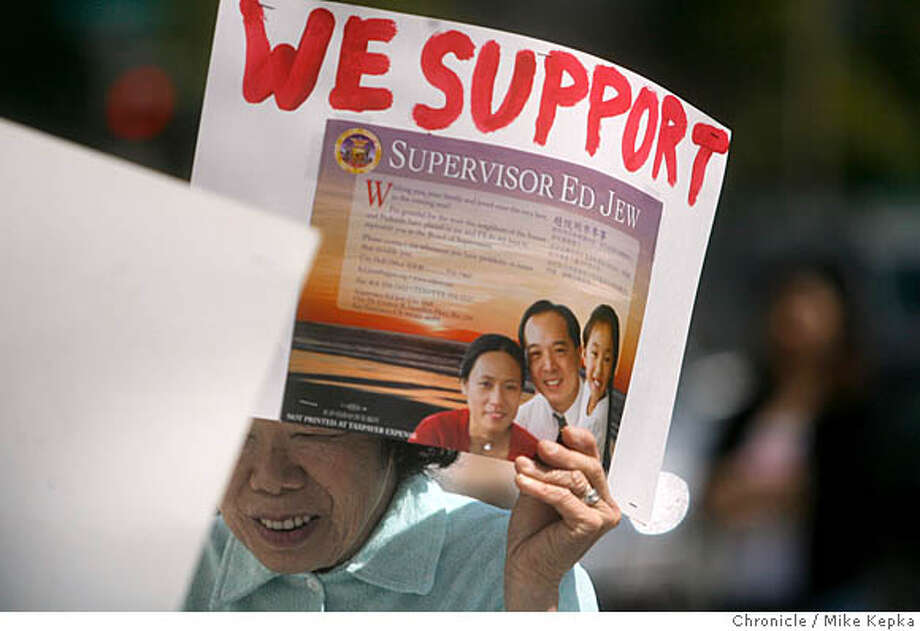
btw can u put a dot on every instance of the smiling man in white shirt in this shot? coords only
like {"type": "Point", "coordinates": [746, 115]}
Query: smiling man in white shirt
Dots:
{"type": "Point", "coordinates": [550, 336]}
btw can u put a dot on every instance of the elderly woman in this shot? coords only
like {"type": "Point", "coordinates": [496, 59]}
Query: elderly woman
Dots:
{"type": "Point", "coordinates": [317, 519]}
{"type": "Point", "coordinates": [492, 378]}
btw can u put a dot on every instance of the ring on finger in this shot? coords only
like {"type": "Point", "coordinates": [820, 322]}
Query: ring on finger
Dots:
{"type": "Point", "coordinates": [591, 496]}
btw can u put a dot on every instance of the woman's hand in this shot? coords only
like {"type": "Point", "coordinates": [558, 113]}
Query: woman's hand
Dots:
{"type": "Point", "coordinates": [551, 526]}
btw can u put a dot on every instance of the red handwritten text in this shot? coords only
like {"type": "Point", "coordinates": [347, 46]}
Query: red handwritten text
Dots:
{"type": "Point", "coordinates": [651, 122]}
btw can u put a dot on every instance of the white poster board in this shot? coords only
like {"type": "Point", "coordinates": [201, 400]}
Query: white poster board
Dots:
{"type": "Point", "coordinates": [362, 121]}
{"type": "Point", "coordinates": [137, 323]}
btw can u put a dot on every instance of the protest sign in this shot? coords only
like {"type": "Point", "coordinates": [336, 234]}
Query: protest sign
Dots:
{"type": "Point", "coordinates": [459, 175]}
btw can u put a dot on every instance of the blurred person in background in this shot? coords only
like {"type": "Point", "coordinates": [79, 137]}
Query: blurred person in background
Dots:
{"type": "Point", "coordinates": [789, 472]}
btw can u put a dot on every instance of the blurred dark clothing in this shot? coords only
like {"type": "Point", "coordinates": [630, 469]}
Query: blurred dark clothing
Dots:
{"type": "Point", "coordinates": [840, 544]}
{"type": "Point", "coordinates": [893, 463]}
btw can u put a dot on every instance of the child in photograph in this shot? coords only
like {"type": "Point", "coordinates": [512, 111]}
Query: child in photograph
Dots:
{"type": "Point", "coordinates": [600, 352]}
{"type": "Point", "coordinates": [492, 378]}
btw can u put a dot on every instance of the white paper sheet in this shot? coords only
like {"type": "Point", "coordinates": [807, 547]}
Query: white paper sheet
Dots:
{"type": "Point", "coordinates": [138, 320]}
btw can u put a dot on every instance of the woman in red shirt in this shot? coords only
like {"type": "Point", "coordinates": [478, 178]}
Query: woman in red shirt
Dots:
{"type": "Point", "coordinates": [492, 378]}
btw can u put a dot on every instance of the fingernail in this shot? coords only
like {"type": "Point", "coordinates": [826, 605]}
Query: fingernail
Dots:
{"type": "Point", "coordinates": [550, 446]}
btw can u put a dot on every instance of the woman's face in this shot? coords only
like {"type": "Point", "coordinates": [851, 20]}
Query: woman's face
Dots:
{"type": "Point", "coordinates": [493, 391]}
{"type": "Point", "coordinates": [305, 498]}
{"type": "Point", "coordinates": [806, 320]}
{"type": "Point", "coordinates": [598, 355]}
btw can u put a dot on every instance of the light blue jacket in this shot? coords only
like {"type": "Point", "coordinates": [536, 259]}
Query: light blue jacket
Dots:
{"type": "Point", "coordinates": [431, 551]}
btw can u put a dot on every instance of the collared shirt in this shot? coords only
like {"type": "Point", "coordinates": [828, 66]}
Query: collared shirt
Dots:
{"type": "Point", "coordinates": [431, 551]}
{"type": "Point", "coordinates": [536, 416]}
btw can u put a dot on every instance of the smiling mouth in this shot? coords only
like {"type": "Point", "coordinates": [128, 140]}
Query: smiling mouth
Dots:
{"type": "Point", "coordinates": [552, 383]}
{"type": "Point", "coordinates": [287, 532]}
{"type": "Point", "coordinates": [291, 523]}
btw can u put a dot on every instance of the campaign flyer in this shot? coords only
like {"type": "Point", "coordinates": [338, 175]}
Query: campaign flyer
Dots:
{"type": "Point", "coordinates": [430, 243]}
